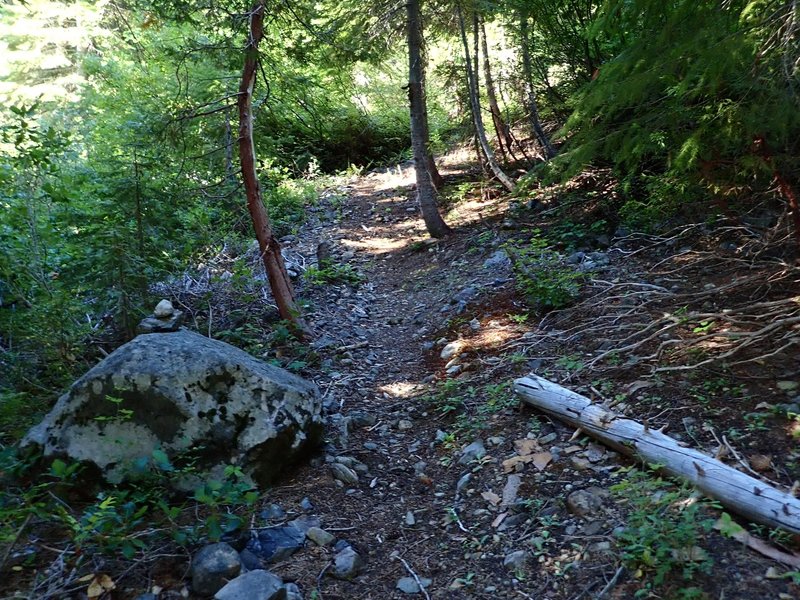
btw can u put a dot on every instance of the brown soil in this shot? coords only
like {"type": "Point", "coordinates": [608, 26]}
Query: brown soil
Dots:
{"type": "Point", "coordinates": [375, 357]}
{"type": "Point", "coordinates": [458, 540]}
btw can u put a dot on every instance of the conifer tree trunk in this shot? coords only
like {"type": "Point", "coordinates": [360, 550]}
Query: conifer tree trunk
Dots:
{"type": "Point", "coordinates": [472, 86]}
{"type": "Point", "coordinates": [502, 130]}
{"type": "Point", "coordinates": [476, 140]}
{"type": "Point", "coordinates": [436, 178]}
{"type": "Point", "coordinates": [533, 109]}
{"type": "Point", "coordinates": [426, 191]}
{"type": "Point", "coordinates": [230, 176]}
{"type": "Point", "coordinates": [279, 281]}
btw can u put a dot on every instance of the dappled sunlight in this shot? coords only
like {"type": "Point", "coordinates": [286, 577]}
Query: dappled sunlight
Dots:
{"type": "Point", "coordinates": [402, 389]}
{"type": "Point", "coordinates": [474, 210]}
{"type": "Point", "coordinates": [492, 335]}
{"type": "Point", "coordinates": [393, 178]}
{"type": "Point", "coordinates": [378, 245]}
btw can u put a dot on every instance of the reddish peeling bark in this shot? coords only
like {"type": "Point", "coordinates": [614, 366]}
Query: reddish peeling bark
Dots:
{"type": "Point", "coordinates": [504, 139]}
{"type": "Point", "coordinates": [762, 150]}
{"type": "Point", "coordinates": [279, 281]}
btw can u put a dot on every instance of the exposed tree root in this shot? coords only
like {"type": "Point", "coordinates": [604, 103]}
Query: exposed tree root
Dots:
{"type": "Point", "coordinates": [750, 314]}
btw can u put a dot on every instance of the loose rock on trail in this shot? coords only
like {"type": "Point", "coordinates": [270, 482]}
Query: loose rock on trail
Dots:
{"type": "Point", "coordinates": [509, 506]}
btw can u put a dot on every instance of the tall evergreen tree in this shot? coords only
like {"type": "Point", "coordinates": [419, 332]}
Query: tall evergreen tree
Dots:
{"type": "Point", "coordinates": [426, 190]}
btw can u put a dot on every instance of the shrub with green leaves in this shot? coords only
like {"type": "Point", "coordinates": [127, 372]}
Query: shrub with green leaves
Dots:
{"type": "Point", "coordinates": [122, 520]}
{"type": "Point", "coordinates": [664, 528]}
{"type": "Point", "coordinates": [330, 272]}
{"type": "Point", "coordinates": [542, 275]}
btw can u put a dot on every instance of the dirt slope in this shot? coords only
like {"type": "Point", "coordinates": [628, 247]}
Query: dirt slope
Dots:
{"type": "Point", "coordinates": [417, 506]}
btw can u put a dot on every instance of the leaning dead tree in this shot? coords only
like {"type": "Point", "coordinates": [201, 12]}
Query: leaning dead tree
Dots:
{"type": "Point", "coordinates": [533, 108]}
{"type": "Point", "coordinates": [472, 87]}
{"type": "Point", "coordinates": [270, 248]}
{"type": "Point", "coordinates": [741, 493]}
{"type": "Point", "coordinates": [505, 140]}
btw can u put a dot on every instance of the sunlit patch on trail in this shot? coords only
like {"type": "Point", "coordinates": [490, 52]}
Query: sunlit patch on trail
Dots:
{"type": "Point", "coordinates": [402, 389]}
{"type": "Point", "coordinates": [378, 245]}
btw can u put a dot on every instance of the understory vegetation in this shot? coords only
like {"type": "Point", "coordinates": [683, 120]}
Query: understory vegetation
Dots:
{"type": "Point", "coordinates": [666, 132]}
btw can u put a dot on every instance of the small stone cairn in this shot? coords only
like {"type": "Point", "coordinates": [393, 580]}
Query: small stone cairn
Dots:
{"type": "Point", "coordinates": [163, 320]}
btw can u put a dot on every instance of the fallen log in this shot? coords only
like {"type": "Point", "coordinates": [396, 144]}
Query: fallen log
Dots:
{"type": "Point", "coordinates": [735, 490]}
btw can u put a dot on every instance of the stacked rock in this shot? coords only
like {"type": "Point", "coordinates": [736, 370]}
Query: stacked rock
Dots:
{"type": "Point", "coordinates": [164, 319]}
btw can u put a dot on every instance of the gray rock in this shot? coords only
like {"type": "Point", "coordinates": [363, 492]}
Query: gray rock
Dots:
{"type": "Point", "coordinates": [347, 564]}
{"type": "Point", "coordinates": [344, 474]}
{"type": "Point", "coordinates": [410, 519]}
{"type": "Point", "coordinates": [475, 451]}
{"type": "Point", "coordinates": [464, 296]}
{"type": "Point", "coordinates": [592, 528]}
{"type": "Point", "coordinates": [250, 561]}
{"type": "Point", "coordinates": [177, 392]}
{"type": "Point", "coordinates": [409, 585]}
{"type": "Point", "coordinates": [515, 561]}
{"type": "Point", "coordinates": [598, 547]}
{"type": "Point", "coordinates": [463, 482]}
{"type": "Point", "coordinates": [405, 424]}
{"type": "Point", "coordinates": [164, 310]}
{"type": "Point", "coordinates": [600, 258]}
{"type": "Point", "coordinates": [303, 524]}
{"type": "Point", "coordinates": [274, 544]}
{"type": "Point", "coordinates": [499, 261]}
{"type": "Point", "coordinates": [585, 502]}
{"type": "Point", "coordinates": [453, 362]}
{"type": "Point", "coordinates": [212, 567]}
{"type": "Point", "coordinates": [512, 522]}
{"type": "Point", "coordinates": [253, 585]}
{"type": "Point", "coordinates": [622, 232]}
{"type": "Point", "coordinates": [292, 592]}
{"type": "Point", "coordinates": [320, 537]}
{"type": "Point", "coordinates": [511, 489]}
{"type": "Point", "coordinates": [576, 258]}
{"type": "Point", "coordinates": [450, 350]}
{"type": "Point", "coordinates": [273, 512]}
{"type": "Point", "coordinates": [306, 504]}
{"type": "Point", "coordinates": [323, 342]}
{"type": "Point", "coordinates": [579, 463]}
{"type": "Point", "coordinates": [165, 325]}
{"type": "Point", "coordinates": [360, 418]}
{"type": "Point", "coordinates": [546, 439]}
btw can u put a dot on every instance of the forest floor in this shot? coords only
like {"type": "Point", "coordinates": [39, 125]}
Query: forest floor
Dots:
{"type": "Point", "coordinates": [544, 512]}
{"type": "Point", "coordinates": [479, 496]}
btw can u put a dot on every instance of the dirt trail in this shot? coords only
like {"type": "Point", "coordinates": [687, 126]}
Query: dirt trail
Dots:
{"type": "Point", "coordinates": [421, 508]}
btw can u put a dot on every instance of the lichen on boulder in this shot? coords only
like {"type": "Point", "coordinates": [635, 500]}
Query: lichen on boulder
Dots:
{"type": "Point", "coordinates": [186, 397]}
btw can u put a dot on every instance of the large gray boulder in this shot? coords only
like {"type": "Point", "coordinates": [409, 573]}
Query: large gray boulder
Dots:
{"type": "Point", "coordinates": [187, 397]}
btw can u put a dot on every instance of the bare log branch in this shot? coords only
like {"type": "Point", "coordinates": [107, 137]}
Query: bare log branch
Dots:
{"type": "Point", "coordinates": [741, 493]}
